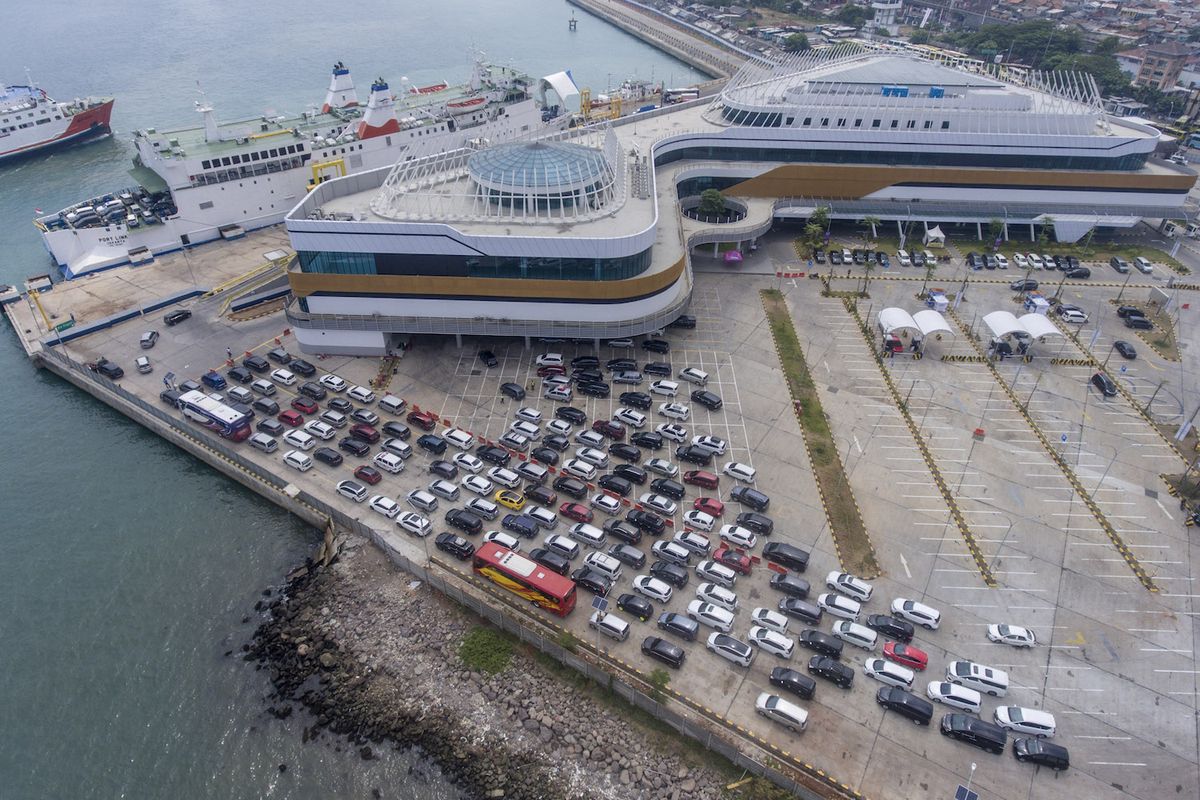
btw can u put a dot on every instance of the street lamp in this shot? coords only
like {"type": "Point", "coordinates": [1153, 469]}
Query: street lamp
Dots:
{"type": "Point", "coordinates": [972, 775]}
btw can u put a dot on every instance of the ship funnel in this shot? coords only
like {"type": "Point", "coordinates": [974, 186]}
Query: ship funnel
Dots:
{"type": "Point", "coordinates": [381, 112]}
{"type": "Point", "coordinates": [341, 92]}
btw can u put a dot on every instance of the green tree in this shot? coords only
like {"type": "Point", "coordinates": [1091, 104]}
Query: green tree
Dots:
{"type": "Point", "coordinates": [920, 37]}
{"type": "Point", "coordinates": [712, 203]}
{"type": "Point", "coordinates": [813, 235]}
{"type": "Point", "coordinates": [820, 217]}
{"type": "Point", "coordinates": [658, 679]}
{"type": "Point", "coordinates": [853, 15]}
{"type": "Point", "coordinates": [1107, 46]}
{"type": "Point", "coordinates": [996, 229]}
{"type": "Point", "coordinates": [872, 222]}
{"type": "Point", "coordinates": [796, 43]}
{"type": "Point", "coordinates": [1047, 229]}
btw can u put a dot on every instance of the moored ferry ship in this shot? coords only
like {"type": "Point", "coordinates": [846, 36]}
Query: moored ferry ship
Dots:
{"type": "Point", "coordinates": [222, 179]}
{"type": "Point", "coordinates": [31, 121]}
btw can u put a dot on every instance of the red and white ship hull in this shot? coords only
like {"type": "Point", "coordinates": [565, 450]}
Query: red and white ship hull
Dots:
{"type": "Point", "coordinates": [59, 130]}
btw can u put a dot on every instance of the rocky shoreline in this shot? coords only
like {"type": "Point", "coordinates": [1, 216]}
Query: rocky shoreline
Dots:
{"type": "Point", "coordinates": [373, 657]}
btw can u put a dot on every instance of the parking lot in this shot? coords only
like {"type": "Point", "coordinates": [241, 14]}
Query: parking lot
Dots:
{"type": "Point", "coordinates": [1114, 663]}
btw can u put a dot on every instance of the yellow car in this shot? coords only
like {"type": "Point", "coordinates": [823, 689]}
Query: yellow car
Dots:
{"type": "Point", "coordinates": [511, 499]}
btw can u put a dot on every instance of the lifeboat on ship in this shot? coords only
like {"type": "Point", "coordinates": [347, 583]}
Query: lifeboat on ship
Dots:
{"type": "Point", "coordinates": [463, 106]}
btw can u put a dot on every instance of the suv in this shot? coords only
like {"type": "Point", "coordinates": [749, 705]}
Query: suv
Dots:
{"type": "Point", "coordinates": [662, 650]}
{"type": "Point", "coordinates": [177, 316]}
{"type": "Point", "coordinates": [829, 669]}
{"type": "Point", "coordinates": [751, 498]}
{"type": "Point", "coordinates": [787, 555]}
{"type": "Point", "coordinates": [1104, 384]}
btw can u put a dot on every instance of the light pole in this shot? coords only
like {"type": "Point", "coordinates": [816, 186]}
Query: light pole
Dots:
{"type": "Point", "coordinates": [971, 776]}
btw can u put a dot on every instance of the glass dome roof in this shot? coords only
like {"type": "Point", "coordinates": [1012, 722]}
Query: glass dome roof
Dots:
{"type": "Point", "coordinates": [552, 166]}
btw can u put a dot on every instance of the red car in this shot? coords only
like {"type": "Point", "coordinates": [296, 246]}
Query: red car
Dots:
{"type": "Point", "coordinates": [364, 433]}
{"type": "Point", "coordinates": [738, 562]}
{"type": "Point", "coordinates": [698, 477]}
{"type": "Point", "coordinates": [906, 654]}
{"type": "Point", "coordinates": [304, 405]}
{"type": "Point", "coordinates": [612, 430]}
{"type": "Point", "coordinates": [548, 370]}
{"type": "Point", "coordinates": [576, 511]}
{"type": "Point", "coordinates": [289, 417]}
{"type": "Point", "coordinates": [709, 505]}
{"type": "Point", "coordinates": [422, 419]}
{"type": "Point", "coordinates": [368, 474]}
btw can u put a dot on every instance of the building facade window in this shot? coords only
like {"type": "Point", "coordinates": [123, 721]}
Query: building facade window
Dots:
{"type": "Point", "coordinates": [552, 268]}
{"type": "Point", "coordinates": [931, 158]}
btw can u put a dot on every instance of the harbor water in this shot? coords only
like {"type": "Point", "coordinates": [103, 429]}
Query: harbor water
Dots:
{"type": "Point", "coordinates": [127, 569]}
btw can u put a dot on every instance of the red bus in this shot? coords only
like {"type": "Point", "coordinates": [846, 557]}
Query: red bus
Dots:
{"type": "Point", "coordinates": [525, 578]}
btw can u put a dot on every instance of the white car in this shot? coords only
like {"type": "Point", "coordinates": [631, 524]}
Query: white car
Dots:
{"type": "Point", "coordinates": [1026, 720]}
{"type": "Point", "coordinates": [592, 456]}
{"type": "Point", "coordinates": [1073, 315]}
{"type": "Point", "coordinates": [664, 388]}
{"type": "Point", "coordinates": [283, 377]}
{"type": "Point", "coordinates": [467, 461]}
{"type": "Point", "coordinates": [580, 469]}
{"type": "Point", "coordinates": [564, 546]}
{"type": "Point", "coordinates": [955, 696]}
{"type": "Point", "coordinates": [676, 411]}
{"type": "Point", "coordinates": [444, 489]}
{"type": "Point", "coordinates": [477, 484]}
{"type": "Point", "coordinates": [389, 462]}
{"type": "Point", "coordinates": [699, 520]}
{"type": "Point", "coordinates": [772, 641]}
{"type": "Point", "coordinates": [514, 441]}
{"type": "Point", "coordinates": [381, 504]}
{"type": "Point", "coordinates": [320, 429]}
{"type": "Point", "coordinates": [419, 498]}
{"type": "Point", "coordinates": [672, 551]}
{"type": "Point", "coordinates": [263, 387]}
{"type": "Point", "coordinates": [855, 634]}
{"type": "Point", "coordinates": [849, 585]}
{"type": "Point", "coordinates": [559, 426]}
{"type": "Point", "coordinates": [397, 446]}
{"type": "Point", "coordinates": [504, 477]}
{"type": "Point", "coordinates": [549, 360]}
{"type": "Point", "coordinates": [669, 430]}
{"type": "Point", "coordinates": [1011, 634]}
{"type": "Point", "coordinates": [503, 539]}
{"type": "Point", "coordinates": [529, 415]}
{"type": "Point", "coordinates": [352, 490]}
{"type": "Point", "coordinates": [558, 393]}
{"type": "Point", "coordinates": [634, 419]}
{"type": "Point", "coordinates": [1020, 260]}
{"type": "Point", "coordinates": [714, 445]}
{"type": "Point", "coordinates": [717, 573]}
{"type": "Point", "coordinates": [662, 467]}
{"type": "Point", "coordinates": [459, 438]}
{"type": "Point", "coordinates": [653, 588]}
{"type": "Point", "coordinates": [737, 535]}
{"type": "Point", "coordinates": [606, 503]}
{"type": "Point", "coordinates": [1143, 265]}
{"type": "Point", "coordinates": [660, 503]}
{"type": "Point", "coordinates": [711, 615]}
{"type": "Point", "coordinates": [693, 375]}
{"type": "Point", "coordinates": [693, 541]}
{"type": "Point", "coordinates": [1001, 261]}
{"type": "Point", "coordinates": [787, 714]}
{"type": "Point", "coordinates": [362, 394]}
{"type": "Point", "coordinates": [590, 439]}
{"type": "Point", "coordinates": [333, 383]}
{"type": "Point", "coordinates": [718, 596]}
{"type": "Point", "coordinates": [769, 618]}
{"type": "Point", "coordinates": [623, 344]}
{"type": "Point", "coordinates": [414, 523]}
{"type": "Point", "coordinates": [527, 429]}
{"type": "Point", "coordinates": [927, 617]}
{"type": "Point", "coordinates": [889, 672]}
{"type": "Point", "coordinates": [730, 649]}
{"type": "Point", "coordinates": [740, 472]}
{"type": "Point", "coordinates": [300, 439]}
{"type": "Point", "coordinates": [1035, 261]}
{"type": "Point", "coordinates": [839, 606]}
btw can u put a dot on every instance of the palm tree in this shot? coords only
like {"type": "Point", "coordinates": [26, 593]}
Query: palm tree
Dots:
{"type": "Point", "coordinates": [1047, 226]}
{"type": "Point", "coordinates": [929, 268]}
{"type": "Point", "coordinates": [872, 221]}
{"type": "Point", "coordinates": [868, 268]}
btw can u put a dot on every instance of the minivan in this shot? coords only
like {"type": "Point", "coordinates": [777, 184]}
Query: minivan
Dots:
{"type": "Point", "coordinates": [297, 460]}
{"type": "Point", "coordinates": [587, 534]}
{"type": "Point", "coordinates": [610, 625]}
{"type": "Point", "coordinates": [1119, 264]}
{"type": "Point", "coordinates": [393, 405]}
{"type": "Point", "coordinates": [261, 441]}
{"type": "Point", "coordinates": [906, 704]}
{"type": "Point", "coordinates": [971, 730]}
{"type": "Point", "coordinates": [1042, 753]}
{"type": "Point", "coordinates": [605, 564]}
{"type": "Point", "coordinates": [789, 715]}
{"type": "Point", "coordinates": [979, 677]}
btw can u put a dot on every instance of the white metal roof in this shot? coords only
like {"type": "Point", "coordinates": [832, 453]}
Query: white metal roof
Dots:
{"type": "Point", "coordinates": [930, 321]}
{"type": "Point", "coordinates": [1038, 326]}
{"type": "Point", "coordinates": [894, 319]}
{"type": "Point", "coordinates": [1002, 323]}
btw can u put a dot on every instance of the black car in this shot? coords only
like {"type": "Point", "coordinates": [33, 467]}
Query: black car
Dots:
{"type": "Point", "coordinates": [239, 375]}
{"type": "Point", "coordinates": [1042, 753]}
{"type": "Point", "coordinates": [796, 683]}
{"type": "Point", "coordinates": [759, 523]}
{"type": "Point", "coordinates": [354, 447]}
{"type": "Point", "coordinates": [1138, 323]}
{"type": "Point", "coordinates": [587, 376]}
{"type": "Point", "coordinates": [1079, 273]}
{"type": "Point", "coordinates": [267, 406]}
{"type": "Point", "coordinates": [314, 390]}
{"type": "Point", "coordinates": [520, 525]}
{"type": "Point", "coordinates": [455, 545]}
{"type": "Point", "coordinates": [707, 399]}
{"type": "Point", "coordinates": [280, 356]}
{"type": "Point", "coordinates": [672, 489]}
{"type": "Point", "coordinates": [891, 627]}
{"type": "Point", "coordinates": [750, 497]}
{"type": "Point", "coordinates": [906, 704]}
{"type": "Point", "coordinates": [433, 444]}
{"type": "Point", "coordinates": [693, 454]}
{"type": "Point", "coordinates": [269, 425]}
{"type": "Point", "coordinates": [594, 389]}
{"type": "Point", "coordinates": [657, 345]}
{"type": "Point", "coordinates": [1104, 384]}
{"type": "Point", "coordinates": [829, 669]}
{"type": "Point", "coordinates": [491, 454]}
{"type": "Point", "coordinates": [971, 730]}
{"type": "Point", "coordinates": [109, 369]}
{"type": "Point", "coordinates": [625, 451]}
{"type": "Point", "coordinates": [1125, 348]}
{"type": "Point", "coordinates": [194, 386]}
{"type": "Point", "coordinates": [647, 439]}
{"type": "Point", "coordinates": [787, 555]}
{"type": "Point", "coordinates": [171, 398]}
{"type": "Point", "coordinates": [592, 580]}
{"type": "Point", "coordinates": [397, 430]}
{"type": "Point", "coordinates": [302, 367]}
{"type": "Point", "coordinates": [620, 364]}
{"type": "Point", "coordinates": [636, 605]}
{"type": "Point", "coordinates": [255, 363]}
{"type": "Point", "coordinates": [631, 473]}
{"type": "Point", "coordinates": [570, 414]}
{"type": "Point", "coordinates": [1129, 311]}
{"type": "Point", "coordinates": [545, 455]}
{"type": "Point", "coordinates": [790, 585]}
{"type": "Point", "coordinates": [635, 400]}
{"type": "Point", "coordinates": [1023, 285]}
{"type": "Point", "coordinates": [619, 529]}
{"type": "Point", "coordinates": [488, 358]}
{"type": "Point", "coordinates": [558, 442]}
{"type": "Point", "coordinates": [1060, 261]}
{"type": "Point", "coordinates": [659, 368]}
{"type": "Point", "coordinates": [571, 487]}
{"type": "Point", "coordinates": [681, 625]}
{"type": "Point", "coordinates": [1072, 262]}
{"type": "Point", "coordinates": [177, 316]}
{"type": "Point", "coordinates": [673, 574]}
{"type": "Point", "coordinates": [540, 495]}
{"type": "Point", "coordinates": [551, 560]}
{"type": "Point", "coordinates": [683, 321]}
{"type": "Point", "coordinates": [340, 405]}
{"type": "Point", "coordinates": [820, 642]}
{"type": "Point", "coordinates": [443, 469]}
{"type": "Point", "coordinates": [627, 554]}
{"type": "Point", "coordinates": [664, 651]}
{"type": "Point", "coordinates": [464, 520]}
{"type": "Point", "coordinates": [512, 390]}
{"type": "Point", "coordinates": [802, 610]}
{"type": "Point", "coordinates": [585, 362]}
{"type": "Point", "coordinates": [611, 483]}
{"type": "Point", "coordinates": [328, 455]}
{"type": "Point", "coordinates": [646, 522]}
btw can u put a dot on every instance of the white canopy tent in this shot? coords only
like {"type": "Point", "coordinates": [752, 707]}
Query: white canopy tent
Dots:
{"type": "Point", "coordinates": [935, 237]}
{"type": "Point", "coordinates": [895, 319]}
{"type": "Point", "coordinates": [931, 322]}
{"type": "Point", "coordinates": [1005, 323]}
{"type": "Point", "coordinates": [1038, 326]}
{"type": "Point", "coordinates": [924, 323]}
{"type": "Point", "coordinates": [563, 85]}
